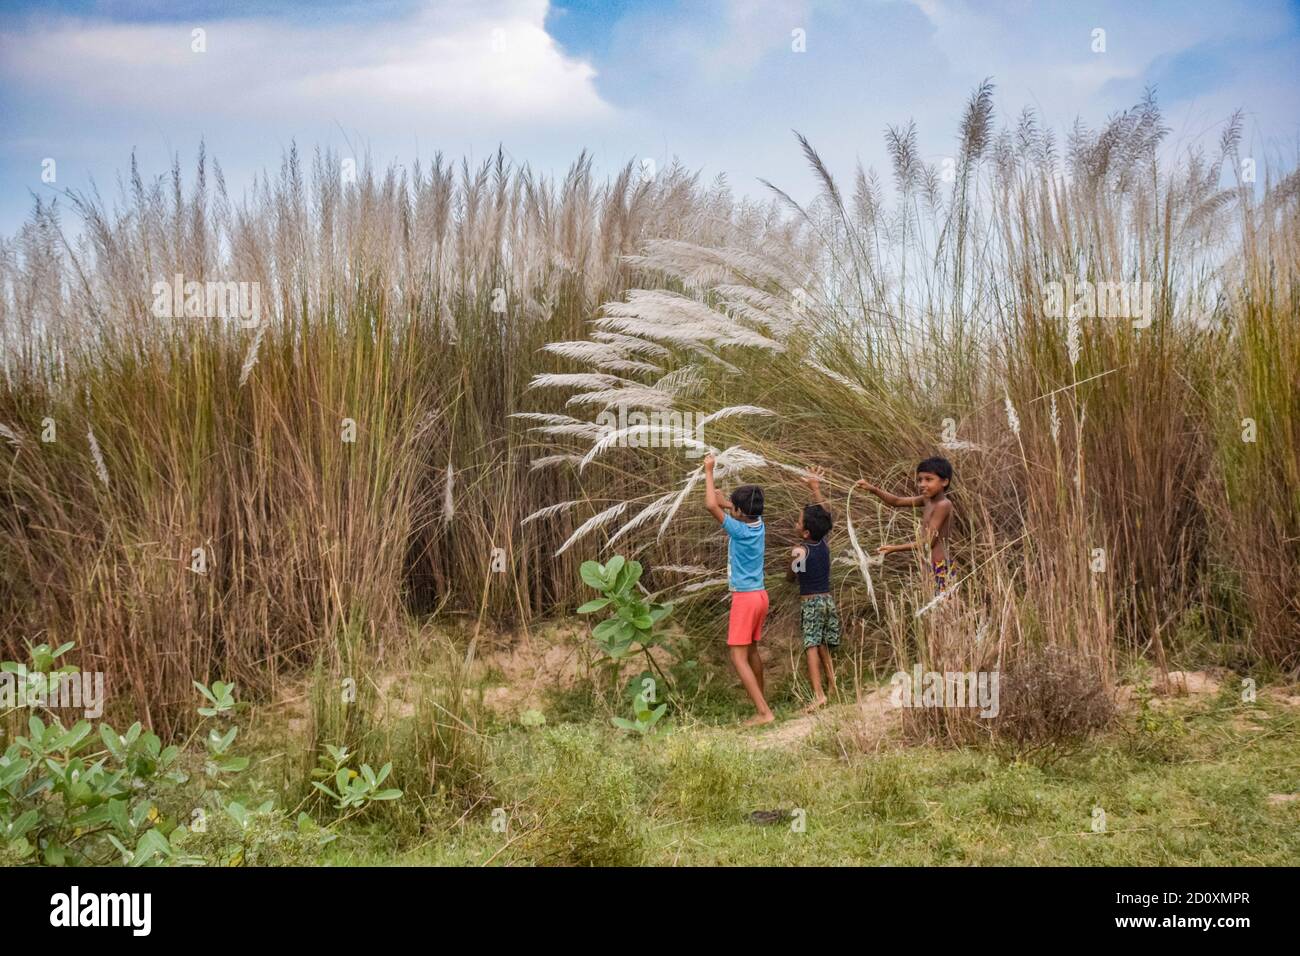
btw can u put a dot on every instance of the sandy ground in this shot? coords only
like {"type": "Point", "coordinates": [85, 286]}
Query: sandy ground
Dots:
{"type": "Point", "coordinates": [518, 671]}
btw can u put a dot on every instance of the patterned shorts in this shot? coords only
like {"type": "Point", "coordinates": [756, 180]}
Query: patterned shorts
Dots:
{"type": "Point", "coordinates": [820, 621]}
{"type": "Point", "coordinates": [943, 572]}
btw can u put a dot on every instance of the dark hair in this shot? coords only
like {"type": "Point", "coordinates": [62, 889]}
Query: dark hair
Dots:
{"type": "Point", "coordinates": [936, 466]}
{"type": "Point", "coordinates": [749, 500]}
{"type": "Point", "coordinates": [816, 521]}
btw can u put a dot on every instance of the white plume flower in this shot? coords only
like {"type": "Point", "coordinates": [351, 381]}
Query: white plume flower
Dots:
{"type": "Point", "coordinates": [591, 524]}
{"type": "Point", "coordinates": [448, 496]}
{"type": "Point", "coordinates": [251, 356]}
{"type": "Point", "coordinates": [1073, 335]}
{"type": "Point", "coordinates": [100, 468]}
{"type": "Point", "coordinates": [1013, 420]}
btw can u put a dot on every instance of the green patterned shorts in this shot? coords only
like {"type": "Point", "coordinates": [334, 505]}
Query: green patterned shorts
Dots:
{"type": "Point", "coordinates": [820, 621]}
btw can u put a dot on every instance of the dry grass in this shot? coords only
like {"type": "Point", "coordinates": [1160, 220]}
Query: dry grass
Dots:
{"type": "Point", "coordinates": [1099, 490]}
{"type": "Point", "coordinates": [855, 333]}
{"type": "Point", "coordinates": [411, 307]}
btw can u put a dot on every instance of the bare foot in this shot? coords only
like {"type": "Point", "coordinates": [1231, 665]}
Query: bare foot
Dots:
{"type": "Point", "coordinates": [759, 719]}
{"type": "Point", "coordinates": [815, 705]}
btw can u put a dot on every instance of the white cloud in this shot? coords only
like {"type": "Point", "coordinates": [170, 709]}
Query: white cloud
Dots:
{"type": "Point", "coordinates": [480, 63]}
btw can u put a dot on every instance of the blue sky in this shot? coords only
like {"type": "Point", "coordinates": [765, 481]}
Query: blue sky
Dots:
{"type": "Point", "coordinates": [713, 83]}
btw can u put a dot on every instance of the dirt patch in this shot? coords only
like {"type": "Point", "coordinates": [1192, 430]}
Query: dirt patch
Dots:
{"type": "Point", "coordinates": [521, 672]}
{"type": "Point", "coordinates": [528, 671]}
{"type": "Point", "coordinates": [1188, 684]}
{"type": "Point", "coordinates": [1172, 686]}
{"type": "Point", "coordinates": [1194, 684]}
{"type": "Point", "coordinates": [1283, 698]}
{"type": "Point", "coordinates": [870, 719]}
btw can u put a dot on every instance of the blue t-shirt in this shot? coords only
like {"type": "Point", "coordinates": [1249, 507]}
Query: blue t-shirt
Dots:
{"type": "Point", "coordinates": [745, 544]}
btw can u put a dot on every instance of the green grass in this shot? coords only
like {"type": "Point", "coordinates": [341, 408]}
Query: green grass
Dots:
{"type": "Point", "coordinates": [581, 793]}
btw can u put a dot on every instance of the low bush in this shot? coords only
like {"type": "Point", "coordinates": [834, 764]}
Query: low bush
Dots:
{"type": "Point", "coordinates": [574, 804]}
{"type": "Point", "coordinates": [1049, 704]}
{"type": "Point", "coordinates": [705, 778]}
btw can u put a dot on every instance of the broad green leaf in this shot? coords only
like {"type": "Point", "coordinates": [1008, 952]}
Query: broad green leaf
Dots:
{"type": "Point", "coordinates": [111, 741]}
{"type": "Point", "coordinates": [606, 629]}
{"type": "Point", "coordinates": [593, 574]}
{"type": "Point", "coordinates": [153, 844]}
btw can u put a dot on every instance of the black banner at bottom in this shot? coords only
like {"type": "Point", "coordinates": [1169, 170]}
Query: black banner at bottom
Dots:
{"type": "Point", "coordinates": [173, 905]}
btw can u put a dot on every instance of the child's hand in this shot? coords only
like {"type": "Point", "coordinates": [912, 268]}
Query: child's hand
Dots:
{"type": "Point", "coordinates": [709, 462]}
{"type": "Point", "coordinates": [813, 477]}
{"type": "Point", "coordinates": [866, 485]}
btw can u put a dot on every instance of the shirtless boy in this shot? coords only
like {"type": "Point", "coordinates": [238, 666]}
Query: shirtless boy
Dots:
{"type": "Point", "coordinates": [932, 478]}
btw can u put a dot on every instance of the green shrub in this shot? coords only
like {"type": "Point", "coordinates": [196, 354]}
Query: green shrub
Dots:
{"type": "Point", "coordinates": [706, 778]}
{"type": "Point", "coordinates": [87, 795]}
{"type": "Point", "coordinates": [233, 835]}
{"type": "Point", "coordinates": [1012, 795]}
{"type": "Point", "coordinates": [574, 803]}
{"type": "Point", "coordinates": [887, 788]}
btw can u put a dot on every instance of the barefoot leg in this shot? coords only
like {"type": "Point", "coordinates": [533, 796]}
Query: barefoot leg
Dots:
{"type": "Point", "coordinates": [740, 658]}
{"type": "Point", "coordinates": [824, 653]}
{"type": "Point", "coordinates": [755, 661]}
{"type": "Point", "coordinates": [815, 675]}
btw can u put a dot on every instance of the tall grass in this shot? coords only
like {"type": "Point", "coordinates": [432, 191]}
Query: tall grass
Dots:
{"type": "Point", "coordinates": [1101, 493]}
{"type": "Point", "coordinates": [349, 460]}
{"type": "Point", "coordinates": [472, 323]}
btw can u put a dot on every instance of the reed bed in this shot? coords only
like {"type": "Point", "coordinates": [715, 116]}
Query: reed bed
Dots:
{"type": "Point", "coordinates": [194, 497]}
{"type": "Point", "coordinates": [420, 423]}
{"type": "Point", "coordinates": [1100, 449]}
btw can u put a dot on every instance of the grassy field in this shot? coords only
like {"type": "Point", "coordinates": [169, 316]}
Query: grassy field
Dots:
{"type": "Point", "coordinates": [1205, 778]}
{"type": "Point", "coordinates": [1217, 785]}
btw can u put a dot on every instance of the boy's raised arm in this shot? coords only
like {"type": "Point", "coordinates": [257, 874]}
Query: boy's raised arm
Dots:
{"type": "Point", "coordinates": [813, 479]}
{"type": "Point", "coordinates": [710, 492]}
{"type": "Point", "coordinates": [894, 501]}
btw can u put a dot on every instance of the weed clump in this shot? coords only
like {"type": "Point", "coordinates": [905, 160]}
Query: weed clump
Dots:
{"type": "Point", "coordinates": [706, 779]}
{"type": "Point", "coordinates": [574, 803]}
{"type": "Point", "coordinates": [1011, 795]}
{"type": "Point", "coordinates": [888, 789]}
{"type": "Point", "coordinates": [1050, 703]}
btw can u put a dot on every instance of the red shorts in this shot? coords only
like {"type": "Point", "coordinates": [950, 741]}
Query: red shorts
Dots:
{"type": "Point", "coordinates": [745, 623]}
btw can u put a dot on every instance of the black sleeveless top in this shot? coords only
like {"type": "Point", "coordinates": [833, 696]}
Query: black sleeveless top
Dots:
{"type": "Point", "coordinates": [815, 578]}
